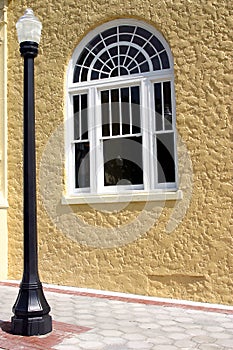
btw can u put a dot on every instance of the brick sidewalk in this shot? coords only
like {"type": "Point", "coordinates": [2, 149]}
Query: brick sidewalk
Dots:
{"type": "Point", "coordinates": [85, 320]}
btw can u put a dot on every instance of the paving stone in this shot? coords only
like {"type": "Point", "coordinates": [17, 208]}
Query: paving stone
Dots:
{"type": "Point", "coordinates": [92, 345]}
{"type": "Point", "coordinates": [142, 345]}
{"type": "Point", "coordinates": [211, 347]}
{"type": "Point", "coordinates": [225, 342]}
{"type": "Point", "coordinates": [120, 325]}
{"type": "Point", "coordinates": [204, 339]}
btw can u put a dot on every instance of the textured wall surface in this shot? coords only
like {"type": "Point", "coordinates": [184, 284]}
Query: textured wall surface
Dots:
{"type": "Point", "coordinates": [131, 248]}
{"type": "Point", "coordinates": [3, 141]}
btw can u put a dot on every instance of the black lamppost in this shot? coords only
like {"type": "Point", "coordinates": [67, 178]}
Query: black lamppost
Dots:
{"type": "Point", "coordinates": [31, 310]}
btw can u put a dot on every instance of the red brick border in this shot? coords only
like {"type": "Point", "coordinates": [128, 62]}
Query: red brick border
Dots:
{"type": "Point", "coordinates": [130, 299]}
{"type": "Point", "coordinates": [60, 332]}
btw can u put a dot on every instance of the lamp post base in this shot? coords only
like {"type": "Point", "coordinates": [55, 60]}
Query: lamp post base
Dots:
{"type": "Point", "coordinates": [31, 311]}
{"type": "Point", "coordinates": [31, 326]}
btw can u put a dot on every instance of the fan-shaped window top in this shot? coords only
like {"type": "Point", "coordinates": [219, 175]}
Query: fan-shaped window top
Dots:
{"type": "Point", "coordinates": [120, 50]}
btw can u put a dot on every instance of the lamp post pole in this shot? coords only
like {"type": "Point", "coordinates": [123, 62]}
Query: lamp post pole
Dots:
{"type": "Point", "coordinates": [31, 310]}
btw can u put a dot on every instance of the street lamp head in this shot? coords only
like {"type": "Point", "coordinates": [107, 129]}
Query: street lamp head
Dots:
{"type": "Point", "coordinates": [29, 27]}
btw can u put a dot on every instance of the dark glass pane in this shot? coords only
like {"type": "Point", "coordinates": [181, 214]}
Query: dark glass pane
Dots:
{"type": "Point", "coordinates": [82, 56]}
{"type": "Point", "coordinates": [98, 48]}
{"type": "Point", "coordinates": [94, 41]}
{"type": "Point", "coordinates": [109, 32]}
{"type": "Point", "coordinates": [105, 56]}
{"type": "Point", "coordinates": [156, 63]}
{"type": "Point", "coordinates": [165, 158]}
{"type": "Point", "coordinates": [123, 161]}
{"type": "Point", "coordinates": [158, 106]}
{"type": "Point", "coordinates": [132, 65]}
{"type": "Point", "coordinates": [123, 71]}
{"type": "Point", "coordinates": [94, 75]}
{"type": "Point", "coordinates": [140, 58]}
{"type": "Point", "coordinates": [84, 74]}
{"type": "Point", "coordinates": [132, 52]}
{"type": "Point", "coordinates": [109, 63]}
{"type": "Point", "coordinates": [115, 60]}
{"type": "Point", "coordinates": [144, 67]}
{"type": "Point", "coordinates": [143, 32]}
{"type": "Point", "coordinates": [115, 111]}
{"type": "Point", "coordinates": [123, 49]}
{"type": "Point", "coordinates": [115, 72]}
{"type": "Point", "coordinates": [104, 75]}
{"type": "Point", "coordinates": [138, 41]}
{"type": "Point", "coordinates": [113, 51]}
{"type": "Point", "coordinates": [157, 44]}
{"type": "Point", "coordinates": [149, 49]}
{"type": "Point", "coordinates": [134, 71]}
{"type": "Point", "coordinates": [105, 112]}
{"type": "Point", "coordinates": [135, 106]}
{"type": "Point", "coordinates": [84, 121]}
{"type": "Point", "coordinates": [126, 29]}
{"type": "Point", "coordinates": [125, 111]}
{"type": "Point", "coordinates": [111, 40]}
{"type": "Point", "coordinates": [82, 165]}
{"type": "Point", "coordinates": [76, 116]}
{"type": "Point", "coordinates": [76, 74]}
{"type": "Point", "coordinates": [167, 105]}
{"type": "Point", "coordinates": [89, 60]}
{"type": "Point", "coordinates": [127, 61]}
{"type": "Point", "coordinates": [135, 96]}
{"type": "Point", "coordinates": [98, 65]}
{"type": "Point", "coordinates": [122, 60]}
{"type": "Point", "coordinates": [164, 59]}
{"type": "Point", "coordinates": [125, 37]}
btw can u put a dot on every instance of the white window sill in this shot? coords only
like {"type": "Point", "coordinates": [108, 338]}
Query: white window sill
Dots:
{"type": "Point", "coordinates": [135, 196]}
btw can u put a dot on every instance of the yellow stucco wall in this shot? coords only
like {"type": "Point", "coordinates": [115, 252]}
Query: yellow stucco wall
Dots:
{"type": "Point", "coordinates": [3, 141]}
{"type": "Point", "coordinates": [136, 249]}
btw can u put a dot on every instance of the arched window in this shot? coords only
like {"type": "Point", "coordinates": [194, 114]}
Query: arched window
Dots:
{"type": "Point", "coordinates": [120, 133]}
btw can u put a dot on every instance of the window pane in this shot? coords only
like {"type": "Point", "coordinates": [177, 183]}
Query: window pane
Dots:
{"type": "Point", "coordinates": [158, 106]}
{"type": "Point", "coordinates": [125, 111]}
{"type": "Point", "coordinates": [105, 113]}
{"type": "Point", "coordinates": [76, 74]}
{"type": "Point", "coordinates": [82, 165]}
{"type": "Point", "coordinates": [84, 117]}
{"type": "Point", "coordinates": [167, 105]}
{"type": "Point", "coordinates": [115, 112]}
{"type": "Point", "coordinates": [123, 161]}
{"type": "Point", "coordinates": [135, 106]}
{"type": "Point", "coordinates": [80, 117]}
{"type": "Point", "coordinates": [165, 60]}
{"type": "Point", "coordinates": [165, 158]}
{"type": "Point", "coordinates": [76, 117]}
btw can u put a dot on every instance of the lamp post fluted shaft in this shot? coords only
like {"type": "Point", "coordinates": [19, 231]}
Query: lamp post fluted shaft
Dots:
{"type": "Point", "coordinates": [31, 310]}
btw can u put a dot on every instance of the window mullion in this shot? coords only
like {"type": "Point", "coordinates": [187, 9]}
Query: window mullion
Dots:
{"type": "Point", "coordinates": [173, 99]}
{"type": "Point", "coordinates": [110, 111]}
{"type": "Point", "coordinates": [92, 138]}
{"type": "Point", "coordinates": [71, 147]}
{"type": "Point", "coordinates": [146, 135]}
{"type": "Point", "coordinates": [130, 113]}
{"type": "Point", "coordinates": [120, 112]}
{"type": "Point", "coordinates": [98, 173]}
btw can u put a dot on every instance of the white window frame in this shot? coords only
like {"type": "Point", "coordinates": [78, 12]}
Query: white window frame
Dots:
{"type": "Point", "coordinates": [97, 192]}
